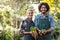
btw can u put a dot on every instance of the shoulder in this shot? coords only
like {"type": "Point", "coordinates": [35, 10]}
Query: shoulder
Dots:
{"type": "Point", "coordinates": [23, 21]}
{"type": "Point", "coordinates": [50, 15]}
{"type": "Point", "coordinates": [37, 16]}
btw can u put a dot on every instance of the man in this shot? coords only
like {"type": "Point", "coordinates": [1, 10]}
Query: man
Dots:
{"type": "Point", "coordinates": [44, 22]}
{"type": "Point", "coordinates": [26, 24]}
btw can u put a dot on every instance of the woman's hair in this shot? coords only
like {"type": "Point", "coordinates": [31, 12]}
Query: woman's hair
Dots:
{"type": "Point", "coordinates": [29, 10]}
{"type": "Point", "coordinates": [45, 4]}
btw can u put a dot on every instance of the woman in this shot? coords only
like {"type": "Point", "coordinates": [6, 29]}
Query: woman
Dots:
{"type": "Point", "coordinates": [26, 24]}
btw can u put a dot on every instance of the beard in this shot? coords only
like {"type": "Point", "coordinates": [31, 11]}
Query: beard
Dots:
{"type": "Point", "coordinates": [43, 12]}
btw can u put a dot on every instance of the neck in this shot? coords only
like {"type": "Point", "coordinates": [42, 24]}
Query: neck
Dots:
{"type": "Point", "coordinates": [30, 19]}
{"type": "Point", "coordinates": [43, 14]}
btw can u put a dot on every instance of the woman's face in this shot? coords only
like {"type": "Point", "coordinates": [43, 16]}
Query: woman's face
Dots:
{"type": "Point", "coordinates": [43, 9]}
{"type": "Point", "coordinates": [29, 14]}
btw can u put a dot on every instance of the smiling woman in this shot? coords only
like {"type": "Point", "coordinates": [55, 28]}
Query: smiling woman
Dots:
{"type": "Point", "coordinates": [26, 24]}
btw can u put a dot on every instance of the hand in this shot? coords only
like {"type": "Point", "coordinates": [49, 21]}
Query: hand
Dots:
{"type": "Point", "coordinates": [40, 32]}
{"type": "Point", "coordinates": [34, 34]}
{"type": "Point", "coordinates": [44, 32]}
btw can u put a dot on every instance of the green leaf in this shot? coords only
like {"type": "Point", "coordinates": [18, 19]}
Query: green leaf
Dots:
{"type": "Point", "coordinates": [32, 28]}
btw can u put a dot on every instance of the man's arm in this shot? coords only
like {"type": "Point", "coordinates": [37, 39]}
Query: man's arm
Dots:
{"type": "Point", "coordinates": [51, 24]}
{"type": "Point", "coordinates": [36, 21]}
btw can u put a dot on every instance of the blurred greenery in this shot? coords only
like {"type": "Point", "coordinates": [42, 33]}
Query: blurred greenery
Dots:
{"type": "Point", "coordinates": [9, 34]}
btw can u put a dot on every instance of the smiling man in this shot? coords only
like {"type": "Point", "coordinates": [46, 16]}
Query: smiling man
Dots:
{"type": "Point", "coordinates": [44, 22]}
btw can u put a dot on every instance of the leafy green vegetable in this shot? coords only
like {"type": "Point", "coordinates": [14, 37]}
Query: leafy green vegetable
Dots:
{"type": "Point", "coordinates": [32, 28]}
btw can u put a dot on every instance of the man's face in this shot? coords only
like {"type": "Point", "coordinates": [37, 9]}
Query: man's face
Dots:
{"type": "Point", "coordinates": [29, 14]}
{"type": "Point", "coordinates": [43, 9]}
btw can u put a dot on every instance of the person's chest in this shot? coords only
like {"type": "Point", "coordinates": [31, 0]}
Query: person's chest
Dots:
{"type": "Point", "coordinates": [29, 24]}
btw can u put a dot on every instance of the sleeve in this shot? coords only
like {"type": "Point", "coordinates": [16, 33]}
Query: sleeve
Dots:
{"type": "Point", "coordinates": [36, 21]}
{"type": "Point", "coordinates": [22, 29]}
{"type": "Point", "coordinates": [52, 23]}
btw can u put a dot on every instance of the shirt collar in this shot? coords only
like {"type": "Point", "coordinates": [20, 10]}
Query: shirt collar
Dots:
{"type": "Point", "coordinates": [46, 14]}
{"type": "Point", "coordinates": [29, 20]}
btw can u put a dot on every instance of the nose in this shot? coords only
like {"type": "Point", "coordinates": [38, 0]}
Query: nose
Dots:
{"type": "Point", "coordinates": [43, 8]}
{"type": "Point", "coordinates": [30, 14]}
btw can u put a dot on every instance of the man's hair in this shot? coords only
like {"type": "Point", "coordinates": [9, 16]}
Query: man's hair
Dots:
{"type": "Point", "coordinates": [45, 4]}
